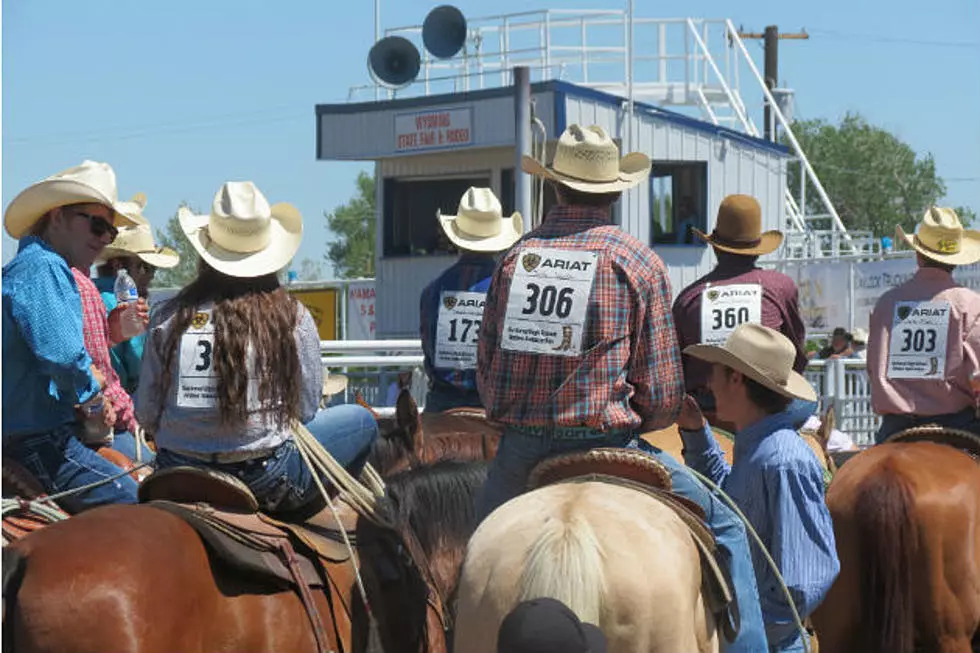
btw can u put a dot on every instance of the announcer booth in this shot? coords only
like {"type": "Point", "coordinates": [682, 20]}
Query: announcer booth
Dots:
{"type": "Point", "coordinates": [428, 150]}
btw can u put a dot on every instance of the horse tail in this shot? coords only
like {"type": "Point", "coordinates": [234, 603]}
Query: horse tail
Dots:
{"type": "Point", "coordinates": [887, 540]}
{"type": "Point", "coordinates": [565, 563]}
{"type": "Point", "coordinates": [14, 565]}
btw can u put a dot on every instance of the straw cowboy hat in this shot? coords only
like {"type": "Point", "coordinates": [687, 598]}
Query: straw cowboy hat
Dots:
{"type": "Point", "coordinates": [762, 354]}
{"type": "Point", "coordinates": [587, 160]}
{"type": "Point", "coordinates": [859, 336]}
{"type": "Point", "coordinates": [133, 209]}
{"type": "Point", "coordinates": [138, 241]}
{"type": "Point", "coordinates": [479, 224]}
{"type": "Point", "coordinates": [244, 236]}
{"type": "Point", "coordinates": [89, 183]}
{"type": "Point", "coordinates": [738, 229]}
{"type": "Point", "coordinates": [333, 383]}
{"type": "Point", "coordinates": [941, 237]}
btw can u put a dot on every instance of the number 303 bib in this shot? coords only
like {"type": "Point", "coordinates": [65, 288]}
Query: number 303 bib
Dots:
{"type": "Point", "coordinates": [917, 347]}
{"type": "Point", "coordinates": [548, 301]}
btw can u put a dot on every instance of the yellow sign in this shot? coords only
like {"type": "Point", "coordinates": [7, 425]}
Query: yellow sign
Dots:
{"type": "Point", "coordinates": [322, 304]}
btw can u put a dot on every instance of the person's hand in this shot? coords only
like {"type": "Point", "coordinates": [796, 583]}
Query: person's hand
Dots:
{"type": "Point", "coordinates": [115, 325]}
{"type": "Point", "coordinates": [143, 312]}
{"type": "Point", "coordinates": [109, 414]}
{"type": "Point", "coordinates": [691, 418]}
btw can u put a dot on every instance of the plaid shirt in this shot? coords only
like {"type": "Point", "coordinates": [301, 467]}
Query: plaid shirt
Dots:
{"type": "Point", "coordinates": [629, 372]}
{"type": "Point", "coordinates": [95, 325]}
{"type": "Point", "coordinates": [471, 272]}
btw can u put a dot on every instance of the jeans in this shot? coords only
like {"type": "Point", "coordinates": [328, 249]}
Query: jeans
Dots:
{"type": "Point", "coordinates": [792, 644]}
{"type": "Point", "coordinates": [438, 400]}
{"type": "Point", "coordinates": [59, 461]}
{"type": "Point", "coordinates": [125, 443]}
{"type": "Point", "coordinates": [891, 424]}
{"type": "Point", "coordinates": [518, 454]}
{"type": "Point", "coordinates": [282, 482]}
{"type": "Point", "coordinates": [801, 410]}
{"type": "Point", "coordinates": [733, 548]}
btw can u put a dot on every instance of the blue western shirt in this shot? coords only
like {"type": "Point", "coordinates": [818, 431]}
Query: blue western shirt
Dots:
{"type": "Point", "coordinates": [126, 356]}
{"type": "Point", "coordinates": [776, 480]}
{"type": "Point", "coordinates": [472, 273]}
{"type": "Point", "coordinates": [46, 368]}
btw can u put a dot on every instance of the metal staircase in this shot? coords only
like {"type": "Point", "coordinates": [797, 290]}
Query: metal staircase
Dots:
{"type": "Point", "coordinates": [691, 65]}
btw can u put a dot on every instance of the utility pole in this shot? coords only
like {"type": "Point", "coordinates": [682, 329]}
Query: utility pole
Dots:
{"type": "Point", "coordinates": [770, 43]}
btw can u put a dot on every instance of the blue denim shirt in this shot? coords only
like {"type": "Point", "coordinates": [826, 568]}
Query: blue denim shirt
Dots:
{"type": "Point", "coordinates": [46, 369]}
{"type": "Point", "coordinates": [126, 356]}
{"type": "Point", "coordinates": [776, 480]}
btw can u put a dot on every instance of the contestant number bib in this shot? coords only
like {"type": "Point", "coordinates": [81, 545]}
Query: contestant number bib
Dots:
{"type": "Point", "coordinates": [917, 348]}
{"type": "Point", "coordinates": [458, 329]}
{"type": "Point", "coordinates": [197, 381]}
{"type": "Point", "coordinates": [725, 307]}
{"type": "Point", "coordinates": [548, 301]}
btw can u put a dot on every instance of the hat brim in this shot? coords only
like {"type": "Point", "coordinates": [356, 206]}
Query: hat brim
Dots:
{"type": "Point", "coordinates": [161, 257]}
{"type": "Point", "coordinates": [633, 169]}
{"type": "Point", "coordinates": [969, 248]}
{"type": "Point", "coordinates": [334, 383]}
{"type": "Point", "coordinates": [769, 242]}
{"type": "Point", "coordinates": [36, 200]}
{"type": "Point", "coordinates": [511, 230]}
{"type": "Point", "coordinates": [796, 385]}
{"type": "Point", "coordinates": [284, 241]}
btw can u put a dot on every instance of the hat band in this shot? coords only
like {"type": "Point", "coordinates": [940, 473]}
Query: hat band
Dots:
{"type": "Point", "coordinates": [942, 245]}
{"type": "Point", "coordinates": [734, 244]}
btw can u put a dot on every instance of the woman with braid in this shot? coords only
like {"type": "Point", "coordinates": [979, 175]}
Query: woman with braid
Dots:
{"type": "Point", "coordinates": [233, 360]}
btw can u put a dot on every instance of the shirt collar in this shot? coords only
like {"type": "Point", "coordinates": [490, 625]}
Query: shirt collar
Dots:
{"type": "Point", "coordinates": [735, 265]}
{"type": "Point", "coordinates": [569, 219]}
{"type": "Point", "coordinates": [932, 274]}
{"type": "Point", "coordinates": [749, 438]}
{"type": "Point", "coordinates": [27, 241]}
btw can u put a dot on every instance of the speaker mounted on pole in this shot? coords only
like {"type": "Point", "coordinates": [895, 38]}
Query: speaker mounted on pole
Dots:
{"type": "Point", "coordinates": [394, 62]}
{"type": "Point", "coordinates": [444, 31]}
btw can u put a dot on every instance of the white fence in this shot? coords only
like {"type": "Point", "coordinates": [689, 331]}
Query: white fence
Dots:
{"type": "Point", "coordinates": [373, 365]}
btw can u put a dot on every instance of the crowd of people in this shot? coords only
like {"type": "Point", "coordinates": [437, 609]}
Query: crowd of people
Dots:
{"type": "Point", "coordinates": [567, 335]}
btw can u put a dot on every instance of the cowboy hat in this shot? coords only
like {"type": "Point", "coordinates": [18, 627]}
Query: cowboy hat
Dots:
{"type": "Point", "coordinates": [244, 236]}
{"type": "Point", "coordinates": [138, 241]}
{"type": "Point", "coordinates": [762, 354]}
{"type": "Point", "coordinates": [860, 336]}
{"type": "Point", "coordinates": [587, 160]}
{"type": "Point", "coordinates": [89, 183]}
{"type": "Point", "coordinates": [333, 383]}
{"type": "Point", "coordinates": [738, 229]}
{"type": "Point", "coordinates": [941, 237]}
{"type": "Point", "coordinates": [133, 209]}
{"type": "Point", "coordinates": [479, 225]}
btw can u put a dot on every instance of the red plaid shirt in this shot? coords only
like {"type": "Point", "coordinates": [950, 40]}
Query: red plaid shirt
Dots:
{"type": "Point", "coordinates": [96, 329]}
{"type": "Point", "coordinates": [629, 371]}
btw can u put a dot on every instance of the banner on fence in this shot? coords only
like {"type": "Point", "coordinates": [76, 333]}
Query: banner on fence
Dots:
{"type": "Point", "coordinates": [360, 310]}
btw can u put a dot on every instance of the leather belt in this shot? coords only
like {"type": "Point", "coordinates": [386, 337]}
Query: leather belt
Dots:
{"type": "Point", "coordinates": [227, 457]}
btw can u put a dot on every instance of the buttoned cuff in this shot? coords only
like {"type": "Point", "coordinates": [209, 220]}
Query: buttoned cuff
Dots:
{"type": "Point", "coordinates": [697, 441]}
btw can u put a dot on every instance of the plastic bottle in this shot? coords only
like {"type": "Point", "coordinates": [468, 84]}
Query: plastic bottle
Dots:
{"type": "Point", "coordinates": [126, 295]}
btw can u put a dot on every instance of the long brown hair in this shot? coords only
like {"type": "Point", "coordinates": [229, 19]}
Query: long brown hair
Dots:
{"type": "Point", "coordinates": [256, 312]}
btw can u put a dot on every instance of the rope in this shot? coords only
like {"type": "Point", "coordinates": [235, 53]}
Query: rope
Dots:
{"type": "Point", "coordinates": [537, 202]}
{"type": "Point", "coordinates": [90, 486]}
{"type": "Point", "coordinates": [762, 547]}
{"type": "Point", "coordinates": [51, 514]}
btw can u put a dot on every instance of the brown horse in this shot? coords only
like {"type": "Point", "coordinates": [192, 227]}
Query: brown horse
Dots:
{"type": "Point", "coordinates": [907, 525]}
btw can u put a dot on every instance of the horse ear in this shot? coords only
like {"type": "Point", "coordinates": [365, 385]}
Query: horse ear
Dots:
{"type": "Point", "coordinates": [407, 413]}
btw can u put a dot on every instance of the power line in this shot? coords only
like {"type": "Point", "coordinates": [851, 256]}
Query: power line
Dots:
{"type": "Point", "coordinates": [878, 38]}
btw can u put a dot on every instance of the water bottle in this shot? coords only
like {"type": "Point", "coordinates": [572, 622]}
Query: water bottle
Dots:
{"type": "Point", "coordinates": [126, 295]}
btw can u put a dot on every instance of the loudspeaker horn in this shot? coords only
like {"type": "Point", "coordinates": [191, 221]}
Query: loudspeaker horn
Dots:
{"type": "Point", "coordinates": [444, 31]}
{"type": "Point", "coordinates": [394, 62]}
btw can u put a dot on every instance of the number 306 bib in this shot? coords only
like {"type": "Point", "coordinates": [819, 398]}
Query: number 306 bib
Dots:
{"type": "Point", "coordinates": [725, 307]}
{"type": "Point", "coordinates": [197, 381]}
{"type": "Point", "coordinates": [917, 347]}
{"type": "Point", "coordinates": [458, 329]}
{"type": "Point", "coordinates": [549, 301]}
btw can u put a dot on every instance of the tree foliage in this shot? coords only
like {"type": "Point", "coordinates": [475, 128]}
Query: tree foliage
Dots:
{"type": "Point", "coordinates": [874, 180]}
{"type": "Point", "coordinates": [172, 236]}
{"type": "Point", "coordinates": [353, 225]}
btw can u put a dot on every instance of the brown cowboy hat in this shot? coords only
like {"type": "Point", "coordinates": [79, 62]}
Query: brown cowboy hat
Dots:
{"type": "Point", "coordinates": [738, 229]}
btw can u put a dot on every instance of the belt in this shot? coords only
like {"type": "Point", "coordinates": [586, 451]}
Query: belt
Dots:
{"type": "Point", "coordinates": [566, 432]}
{"type": "Point", "coordinates": [227, 457]}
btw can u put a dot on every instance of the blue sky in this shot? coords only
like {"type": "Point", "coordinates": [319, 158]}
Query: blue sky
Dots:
{"type": "Point", "coordinates": [180, 96]}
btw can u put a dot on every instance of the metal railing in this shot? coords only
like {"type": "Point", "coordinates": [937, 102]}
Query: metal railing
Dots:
{"type": "Point", "coordinates": [843, 383]}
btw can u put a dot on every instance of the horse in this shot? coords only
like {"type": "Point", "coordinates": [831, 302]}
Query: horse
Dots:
{"type": "Point", "coordinates": [906, 520]}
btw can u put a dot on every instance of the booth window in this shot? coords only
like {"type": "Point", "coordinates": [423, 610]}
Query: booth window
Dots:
{"type": "Point", "coordinates": [410, 224]}
{"type": "Point", "coordinates": [678, 197]}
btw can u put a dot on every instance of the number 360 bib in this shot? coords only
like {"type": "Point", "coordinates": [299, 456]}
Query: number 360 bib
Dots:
{"type": "Point", "coordinates": [725, 307]}
{"type": "Point", "coordinates": [548, 301]}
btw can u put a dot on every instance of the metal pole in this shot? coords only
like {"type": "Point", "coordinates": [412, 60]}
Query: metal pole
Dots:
{"type": "Point", "coordinates": [377, 37]}
{"type": "Point", "coordinates": [629, 77]}
{"type": "Point", "coordinates": [771, 73]}
{"type": "Point", "coordinates": [522, 142]}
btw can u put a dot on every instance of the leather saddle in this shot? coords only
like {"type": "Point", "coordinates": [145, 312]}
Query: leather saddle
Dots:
{"type": "Point", "coordinates": [639, 471]}
{"type": "Point", "coordinates": [300, 556]}
{"type": "Point", "coordinates": [968, 443]}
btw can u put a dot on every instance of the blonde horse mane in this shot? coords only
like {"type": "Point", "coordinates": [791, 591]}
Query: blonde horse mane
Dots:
{"type": "Point", "coordinates": [565, 563]}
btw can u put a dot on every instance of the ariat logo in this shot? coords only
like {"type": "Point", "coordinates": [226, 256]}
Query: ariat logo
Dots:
{"type": "Point", "coordinates": [449, 302]}
{"type": "Point", "coordinates": [200, 319]}
{"type": "Point", "coordinates": [712, 295]}
{"type": "Point", "coordinates": [530, 262]}
{"type": "Point", "coordinates": [904, 312]}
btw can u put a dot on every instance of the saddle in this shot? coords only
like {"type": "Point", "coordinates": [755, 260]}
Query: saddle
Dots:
{"type": "Point", "coordinates": [641, 472]}
{"type": "Point", "coordinates": [303, 557]}
{"type": "Point", "coordinates": [968, 443]}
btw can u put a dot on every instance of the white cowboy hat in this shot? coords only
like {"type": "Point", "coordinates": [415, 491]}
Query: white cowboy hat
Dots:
{"type": "Point", "coordinates": [587, 160]}
{"type": "Point", "coordinates": [762, 354]}
{"type": "Point", "coordinates": [91, 182]}
{"type": "Point", "coordinates": [133, 209]}
{"type": "Point", "coordinates": [941, 237]}
{"type": "Point", "coordinates": [333, 383]}
{"type": "Point", "coordinates": [860, 336]}
{"type": "Point", "coordinates": [244, 236]}
{"type": "Point", "coordinates": [479, 225]}
{"type": "Point", "coordinates": [138, 241]}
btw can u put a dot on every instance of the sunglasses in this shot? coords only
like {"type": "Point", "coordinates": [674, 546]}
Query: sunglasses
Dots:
{"type": "Point", "coordinates": [98, 225]}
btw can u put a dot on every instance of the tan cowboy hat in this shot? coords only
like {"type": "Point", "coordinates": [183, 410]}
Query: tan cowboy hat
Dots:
{"type": "Point", "coordinates": [244, 236]}
{"type": "Point", "coordinates": [738, 229]}
{"type": "Point", "coordinates": [587, 160]}
{"type": "Point", "coordinates": [333, 383]}
{"type": "Point", "coordinates": [133, 209]}
{"type": "Point", "coordinates": [479, 224]}
{"type": "Point", "coordinates": [91, 182]}
{"type": "Point", "coordinates": [762, 354]}
{"type": "Point", "coordinates": [138, 241]}
{"type": "Point", "coordinates": [941, 237]}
